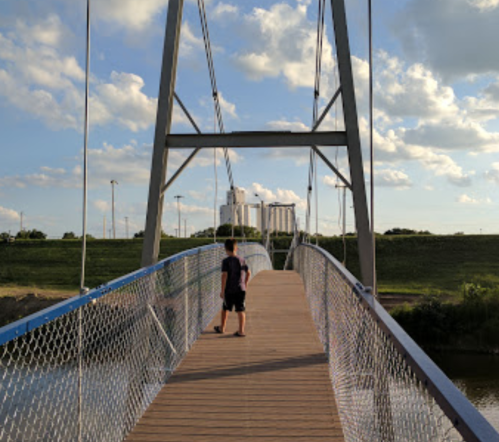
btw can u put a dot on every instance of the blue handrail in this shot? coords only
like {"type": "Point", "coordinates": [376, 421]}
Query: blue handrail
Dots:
{"type": "Point", "coordinates": [31, 322]}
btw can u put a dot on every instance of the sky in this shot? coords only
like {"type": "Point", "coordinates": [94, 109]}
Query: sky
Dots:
{"type": "Point", "coordinates": [436, 99]}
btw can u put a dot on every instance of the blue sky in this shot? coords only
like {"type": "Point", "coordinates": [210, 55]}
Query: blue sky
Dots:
{"type": "Point", "coordinates": [436, 99]}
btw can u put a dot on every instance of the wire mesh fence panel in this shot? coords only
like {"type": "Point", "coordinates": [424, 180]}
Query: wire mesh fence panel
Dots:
{"type": "Point", "coordinates": [386, 388]}
{"type": "Point", "coordinates": [87, 368]}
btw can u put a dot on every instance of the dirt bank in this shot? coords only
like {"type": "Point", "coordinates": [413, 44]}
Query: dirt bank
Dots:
{"type": "Point", "coordinates": [18, 302]}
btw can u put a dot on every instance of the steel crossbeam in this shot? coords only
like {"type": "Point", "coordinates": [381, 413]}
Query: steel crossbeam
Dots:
{"type": "Point", "coordinates": [256, 139]}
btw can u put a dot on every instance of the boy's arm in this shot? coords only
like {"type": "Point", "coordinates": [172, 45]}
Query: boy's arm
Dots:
{"type": "Point", "coordinates": [224, 283]}
{"type": "Point", "coordinates": [248, 276]}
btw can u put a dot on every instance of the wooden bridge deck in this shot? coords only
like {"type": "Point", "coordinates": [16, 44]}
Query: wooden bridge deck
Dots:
{"type": "Point", "coordinates": [272, 385]}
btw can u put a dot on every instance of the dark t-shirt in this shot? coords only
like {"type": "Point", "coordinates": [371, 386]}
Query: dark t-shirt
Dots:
{"type": "Point", "coordinates": [236, 269]}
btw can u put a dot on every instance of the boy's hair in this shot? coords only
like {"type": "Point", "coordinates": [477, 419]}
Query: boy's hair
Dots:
{"type": "Point", "coordinates": [230, 244]}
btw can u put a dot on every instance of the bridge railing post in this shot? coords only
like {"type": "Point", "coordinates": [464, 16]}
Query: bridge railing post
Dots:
{"type": "Point", "coordinates": [186, 303]}
{"type": "Point", "coordinates": [326, 312]}
{"type": "Point", "coordinates": [199, 290]}
{"type": "Point", "coordinates": [382, 401]}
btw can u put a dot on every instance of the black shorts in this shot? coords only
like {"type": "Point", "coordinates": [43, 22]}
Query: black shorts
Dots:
{"type": "Point", "coordinates": [236, 300]}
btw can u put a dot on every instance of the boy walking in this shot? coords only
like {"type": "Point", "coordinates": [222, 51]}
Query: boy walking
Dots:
{"type": "Point", "coordinates": [235, 277]}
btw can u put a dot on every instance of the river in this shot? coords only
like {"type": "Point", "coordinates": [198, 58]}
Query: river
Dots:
{"type": "Point", "coordinates": [477, 376]}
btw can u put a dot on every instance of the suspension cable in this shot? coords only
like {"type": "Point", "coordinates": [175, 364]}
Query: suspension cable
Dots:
{"type": "Point", "coordinates": [215, 203]}
{"type": "Point", "coordinates": [312, 172]}
{"type": "Point", "coordinates": [85, 155]}
{"type": "Point", "coordinates": [214, 89]}
{"type": "Point", "coordinates": [371, 141]}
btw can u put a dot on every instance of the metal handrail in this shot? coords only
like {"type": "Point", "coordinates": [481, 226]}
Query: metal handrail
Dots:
{"type": "Point", "coordinates": [87, 368]}
{"type": "Point", "coordinates": [467, 420]}
{"type": "Point", "coordinates": [31, 322]}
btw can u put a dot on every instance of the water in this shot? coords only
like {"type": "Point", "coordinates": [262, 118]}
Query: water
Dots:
{"type": "Point", "coordinates": [477, 376]}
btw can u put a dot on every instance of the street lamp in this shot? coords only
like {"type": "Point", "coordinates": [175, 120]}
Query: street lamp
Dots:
{"type": "Point", "coordinates": [262, 217]}
{"type": "Point", "coordinates": [178, 197]}
{"type": "Point", "coordinates": [113, 182]}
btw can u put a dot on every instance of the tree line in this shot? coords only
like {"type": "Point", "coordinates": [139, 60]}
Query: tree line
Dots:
{"type": "Point", "coordinates": [225, 230]}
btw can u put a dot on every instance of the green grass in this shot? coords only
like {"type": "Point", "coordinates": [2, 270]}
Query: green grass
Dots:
{"type": "Point", "coordinates": [55, 264]}
{"type": "Point", "coordinates": [406, 264]}
{"type": "Point", "coordinates": [420, 264]}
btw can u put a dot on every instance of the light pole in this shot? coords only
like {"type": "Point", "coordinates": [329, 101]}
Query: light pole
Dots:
{"type": "Point", "coordinates": [126, 226]}
{"type": "Point", "coordinates": [22, 214]}
{"type": "Point", "coordinates": [262, 216]}
{"type": "Point", "coordinates": [178, 197]}
{"type": "Point", "coordinates": [113, 182]}
{"type": "Point", "coordinates": [185, 228]}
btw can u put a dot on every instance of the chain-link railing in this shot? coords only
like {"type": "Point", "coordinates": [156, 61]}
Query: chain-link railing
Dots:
{"type": "Point", "coordinates": [87, 368]}
{"type": "Point", "coordinates": [386, 388]}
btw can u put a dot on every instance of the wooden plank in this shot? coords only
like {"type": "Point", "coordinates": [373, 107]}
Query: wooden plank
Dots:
{"type": "Point", "coordinates": [271, 386]}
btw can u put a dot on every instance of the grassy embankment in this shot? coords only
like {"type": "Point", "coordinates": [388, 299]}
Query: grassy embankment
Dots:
{"type": "Point", "coordinates": [433, 268]}
{"type": "Point", "coordinates": [37, 274]}
{"type": "Point", "coordinates": [452, 283]}
{"type": "Point", "coordinates": [417, 264]}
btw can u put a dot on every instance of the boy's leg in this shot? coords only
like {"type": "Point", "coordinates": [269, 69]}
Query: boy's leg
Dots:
{"type": "Point", "coordinates": [242, 322]}
{"type": "Point", "coordinates": [225, 315]}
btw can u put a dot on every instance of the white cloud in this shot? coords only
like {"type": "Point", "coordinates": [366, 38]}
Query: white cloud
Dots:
{"type": "Point", "coordinates": [42, 104]}
{"type": "Point", "coordinates": [282, 42]}
{"type": "Point", "coordinates": [485, 106]}
{"type": "Point", "coordinates": [38, 78]}
{"type": "Point", "coordinates": [123, 102]}
{"type": "Point", "coordinates": [484, 5]}
{"type": "Point", "coordinates": [300, 156]}
{"type": "Point", "coordinates": [493, 174]}
{"type": "Point", "coordinates": [46, 177]}
{"type": "Point", "coordinates": [465, 199]}
{"type": "Point", "coordinates": [8, 215]}
{"type": "Point", "coordinates": [224, 11]}
{"type": "Point", "coordinates": [454, 37]}
{"type": "Point", "coordinates": [285, 196]}
{"type": "Point", "coordinates": [330, 181]}
{"type": "Point", "coordinates": [452, 134]}
{"type": "Point", "coordinates": [101, 205]}
{"type": "Point", "coordinates": [392, 178]}
{"type": "Point", "coordinates": [189, 43]}
{"type": "Point", "coordinates": [228, 108]}
{"type": "Point", "coordinates": [206, 158]}
{"type": "Point", "coordinates": [200, 196]}
{"type": "Point", "coordinates": [283, 125]}
{"type": "Point", "coordinates": [49, 31]}
{"type": "Point", "coordinates": [265, 194]}
{"type": "Point", "coordinates": [128, 164]}
{"type": "Point", "coordinates": [52, 170]}
{"type": "Point", "coordinates": [189, 209]}
{"type": "Point", "coordinates": [38, 61]}
{"type": "Point", "coordinates": [392, 148]}
{"type": "Point", "coordinates": [411, 91]}
{"type": "Point", "coordinates": [129, 13]}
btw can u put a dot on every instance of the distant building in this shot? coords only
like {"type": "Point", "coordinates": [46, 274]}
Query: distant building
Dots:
{"type": "Point", "coordinates": [239, 196]}
{"type": "Point", "coordinates": [239, 213]}
{"type": "Point", "coordinates": [242, 212]}
{"type": "Point", "coordinates": [281, 219]}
